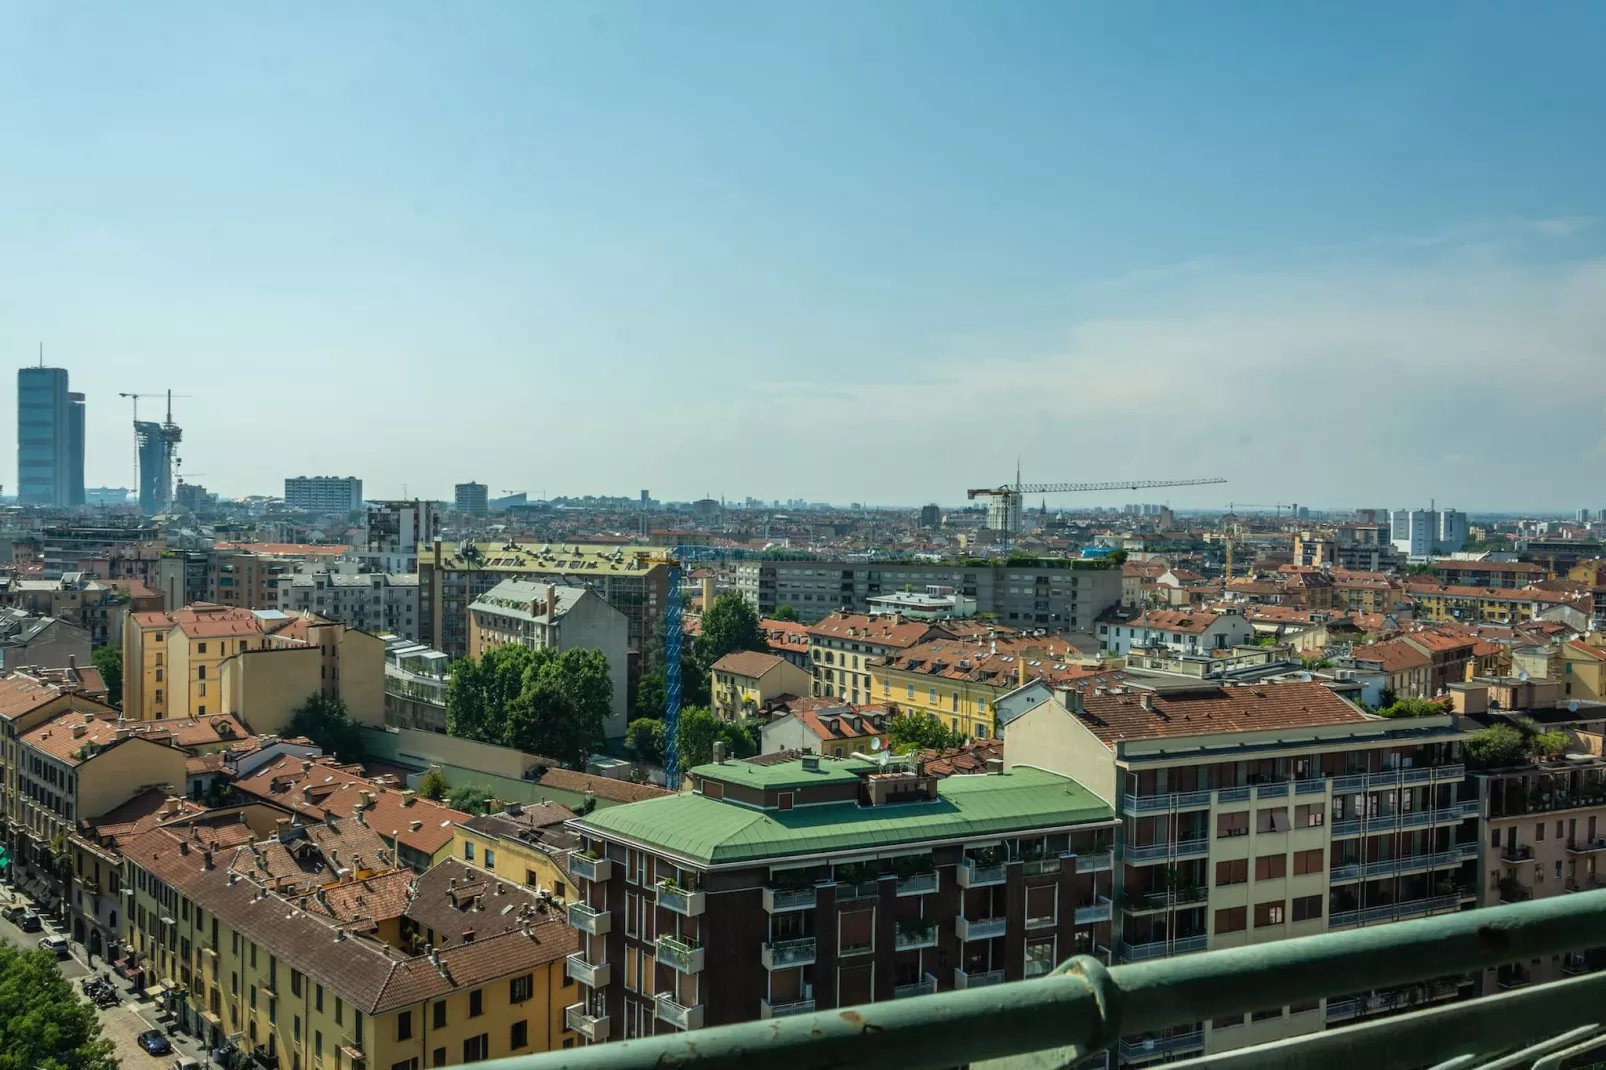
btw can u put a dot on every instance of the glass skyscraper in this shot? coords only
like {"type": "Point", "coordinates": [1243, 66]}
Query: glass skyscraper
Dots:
{"type": "Point", "coordinates": [50, 439]}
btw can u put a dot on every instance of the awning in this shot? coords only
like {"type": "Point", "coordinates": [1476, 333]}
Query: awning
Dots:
{"type": "Point", "coordinates": [5, 858]}
{"type": "Point", "coordinates": [165, 985]}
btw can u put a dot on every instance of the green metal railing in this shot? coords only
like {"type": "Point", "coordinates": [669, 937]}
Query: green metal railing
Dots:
{"type": "Point", "coordinates": [1085, 1007]}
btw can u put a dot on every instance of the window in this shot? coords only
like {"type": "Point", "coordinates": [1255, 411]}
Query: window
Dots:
{"type": "Point", "coordinates": [200, 673]}
{"type": "Point", "coordinates": [200, 648]}
{"type": "Point", "coordinates": [438, 1058]}
{"type": "Point", "coordinates": [317, 1044]}
{"type": "Point", "coordinates": [340, 1010]}
{"type": "Point", "coordinates": [476, 1003]}
{"type": "Point", "coordinates": [1539, 832]}
{"type": "Point", "coordinates": [1308, 908]}
{"type": "Point", "coordinates": [519, 1036]}
{"type": "Point", "coordinates": [404, 1025]}
{"type": "Point", "coordinates": [1039, 958]}
{"type": "Point", "coordinates": [295, 982]}
{"type": "Point", "coordinates": [468, 851]}
{"type": "Point", "coordinates": [521, 988]}
{"type": "Point", "coordinates": [476, 1049]}
{"type": "Point", "coordinates": [1227, 1022]}
{"type": "Point", "coordinates": [490, 858]}
{"type": "Point", "coordinates": [1268, 914]}
{"type": "Point", "coordinates": [317, 999]}
{"type": "Point", "coordinates": [1232, 824]}
{"type": "Point", "coordinates": [1232, 920]}
{"type": "Point", "coordinates": [295, 1026]}
{"type": "Point", "coordinates": [1261, 1016]}
{"type": "Point", "coordinates": [1308, 861]}
{"type": "Point", "coordinates": [1272, 820]}
{"type": "Point", "coordinates": [1270, 867]}
{"type": "Point", "coordinates": [1234, 872]}
{"type": "Point", "coordinates": [439, 1014]}
{"type": "Point", "coordinates": [1309, 815]}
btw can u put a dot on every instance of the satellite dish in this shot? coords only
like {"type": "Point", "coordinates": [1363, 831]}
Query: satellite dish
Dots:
{"type": "Point", "coordinates": [1572, 707]}
{"type": "Point", "coordinates": [1523, 676]}
{"type": "Point", "coordinates": [875, 741]}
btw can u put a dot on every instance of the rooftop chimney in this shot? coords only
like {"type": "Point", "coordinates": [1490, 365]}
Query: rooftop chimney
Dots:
{"type": "Point", "coordinates": [995, 765]}
{"type": "Point", "coordinates": [1147, 698]}
{"type": "Point", "coordinates": [719, 751]}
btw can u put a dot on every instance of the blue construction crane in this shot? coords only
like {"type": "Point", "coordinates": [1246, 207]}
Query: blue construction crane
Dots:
{"type": "Point", "coordinates": [675, 559]}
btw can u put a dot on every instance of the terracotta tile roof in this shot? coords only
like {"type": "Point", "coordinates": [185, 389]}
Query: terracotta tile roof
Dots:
{"type": "Point", "coordinates": [961, 761]}
{"type": "Point", "coordinates": [1194, 622]}
{"type": "Point", "coordinates": [749, 663]}
{"type": "Point", "coordinates": [21, 694]}
{"type": "Point", "coordinates": [455, 897]}
{"type": "Point", "coordinates": [547, 939]}
{"type": "Point", "coordinates": [1438, 641]}
{"type": "Point", "coordinates": [142, 813]}
{"type": "Point", "coordinates": [288, 549]}
{"type": "Point", "coordinates": [1504, 594]}
{"type": "Point", "coordinates": [602, 787]}
{"type": "Point", "coordinates": [1598, 653]}
{"type": "Point", "coordinates": [784, 635]}
{"type": "Point", "coordinates": [362, 903]}
{"type": "Point", "coordinates": [994, 662]}
{"type": "Point", "coordinates": [198, 615]}
{"type": "Point", "coordinates": [1395, 655]}
{"type": "Point", "coordinates": [316, 789]}
{"type": "Point", "coordinates": [839, 726]}
{"type": "Point", "coordinates": [185, 732]}
{"type": "Point", "coordinates": [881, 629]}
{"type": "Point", "coordinates": [66, 734]}
{"type": "Point", "coordinates": [539, 825]}
{"type": "Point", "coordinates": [313, 856]}
{"type": "Point", "coordinates": [1116, 714]}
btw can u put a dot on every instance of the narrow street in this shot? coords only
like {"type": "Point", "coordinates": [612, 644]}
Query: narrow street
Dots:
{"type": "Point", "coordinates": [123, 1023]}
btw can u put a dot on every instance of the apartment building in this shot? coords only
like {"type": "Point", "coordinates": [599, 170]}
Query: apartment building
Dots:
{"type": "Point", "coordinates": [842, 646]}
{"type": "Point", "coordinates": [415, 686]}
{"type": "Point", "coordinates": [1407, 669]}
{"type": "Point", "coordinates": [370, 601]}
{"type": "Point", "coordinates": [549, 616]}
{"type": "Point", "coordinates": [1364, 592]}
{"type": "Point", "coordinates": [744, 682]}
{"type": "Point", "coordinates": [838, 731]}
{"type": "Point", "coordinates": [1499, 605]}
{"type": "Point", "coordinates": [1059, 594]}
{"type": "Point", "coordinates": [1453, 573]}
{"type": "Point", "coordinates": [525, 844]}
{"type": "Point", "coordinates": [323, 494]}
{"type": "Point", "coordinates": [454, 575]}
{"type": "Point", "coordinates": [306, 981]}
{"type": "Point", "coordinates": [1180, 631]}
{"type": "Point", "coordinates": [784, 886]}
{"type": "Point", "coordinates": [959, 681]}
{"type": "Point", "coordinates": [471, 499]}
{"type": "Point", "coordinates": [398, 532]}
{"type": "Point", "coordinates": [1259, 812]}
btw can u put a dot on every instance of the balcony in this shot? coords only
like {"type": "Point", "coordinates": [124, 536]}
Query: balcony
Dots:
{"type": "Point", "coordinates": [1348, 827]}
{"type": "Point", "coordinates": [1152, 804]}
{"type": "Point", "coordinates": [1232, 795]}
{"type": "Point", "coordinates": [766, 1009]}
{"type": "Point", "coordinates": [1093, 913]}
{"type": "Point", "coordinates": [968, 929]}
{"type": "Point", "coordinates": [586, 973]}
{"type": "Point", "coordinates": [1520, 852]}
{"type": "Point", "coordinates": [1586, 847]}
{"type": "Point", "coordinates": [780, 900]}
{"type": "Point", "coordinates": [972, 874]}
{"type": "Point", "coordinates": [1279, 790]}
{"type": "Point", "coordinates": [1149, 1047]}
{"type": "Point", "coordinates": [687, 902]}
{"type": "Point", "coordinates": [1159, 949]}
{"type": "Point", "coordinates": [594, 868]}
{"type": "Point", "coordinates": [1314, 786]}
{"type": "Point", "coordinates": [594, 1027]}
{"type": "Point", "coordinates": [924, 987]}
{"type": "Point", "coordinates": [678, 1016]}
{"type": "Point", "coordinates": [783, 953]}
{"type": "Point", "coordinates": [915, 933]}
{"type": "Point", "coordinates": [919, 884]}
{"type": "Point", "coordinates": [680, 955]}
{"type": "Point", "coordinates": [1042, 867]}
{"type": "Point", "coordinates": [587, 920]}
{"type": "Point", "coordinates": [977, 980]}
{"type": "Point", "coordinates": [1412, 908]}
{"type": "Point", "coordinates": [1095, 862]}
{"type": "Point", "coordinates": [1163, 852]}
{"type": "Point", "coordinates": [861, 890]}
{"type": "Point", "coordinates": [1083, 1007]}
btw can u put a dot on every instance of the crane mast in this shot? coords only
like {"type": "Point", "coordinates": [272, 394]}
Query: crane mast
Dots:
{"type": "Point", "coordinates": [1011, 495]}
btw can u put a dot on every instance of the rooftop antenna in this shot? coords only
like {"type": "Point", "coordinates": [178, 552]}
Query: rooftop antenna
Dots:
{"type": "Point", "coordinates": [41, 354]}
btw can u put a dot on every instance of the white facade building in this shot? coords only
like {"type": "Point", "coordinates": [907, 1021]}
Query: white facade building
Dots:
{"type": "Point", "coordinates": [368, 601]}
{"type": "Point", "coordinates": [323, 494]}
{"type": "Point", "coordinates": [1422, 532]}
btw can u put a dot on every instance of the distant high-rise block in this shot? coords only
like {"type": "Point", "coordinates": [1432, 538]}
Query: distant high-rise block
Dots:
{"type": "Point", "coordinates": [472, 499]}
{"type": "Point", "coordinates": [323, 494]}
{"type": "Point", "coordinates": [50, 434]}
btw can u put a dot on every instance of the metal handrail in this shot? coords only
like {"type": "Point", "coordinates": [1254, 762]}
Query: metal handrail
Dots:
{"type": "Point", "coordinates": [1086, 1006]}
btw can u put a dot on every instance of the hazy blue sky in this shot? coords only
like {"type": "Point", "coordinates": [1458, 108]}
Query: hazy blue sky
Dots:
{"type": "Point", "coordinates": [860, 251]}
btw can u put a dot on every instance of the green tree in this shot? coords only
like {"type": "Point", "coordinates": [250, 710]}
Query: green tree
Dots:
{"type": "Point", "coordinates": [699, 729]}
{"type": "Point", "coordinates": [1414, 707]}
{"type": "Point", "coordinates": [433, 785]}
{"type": "Point", "coordinates": [109, 660]}
{"type": "Point", "coordinates": [1549, 744]}
{"type": "Point", "coordinates": [786, 613]}
{"type": "Point", "coordinates": [563, 706]}
{"type": "Point", "coordinates": [43, 1024]}
{"type": "Point", "coordinates": [1419, 570]}
{"type": "Point", "coordinates": [479, 692]}
{"type": "Point", "coordinates": [729, 625]}
{"type": "Point", "coordinates": [645, 738]}
{"type": "Point", "coordinates": [1496, 746]}
{"type": "Point", "coordinates": [324, 720]}
{"type": "Point", "coordinates": [650, 693]}
{"type": "Point", "coordinates": [920, 732]}
{"type": "Point", "coordinates": [469, 799]}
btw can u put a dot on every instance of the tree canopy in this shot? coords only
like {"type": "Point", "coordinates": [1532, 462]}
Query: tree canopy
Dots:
{"type": "Point", "coordinates": [915, 731]}
{"type": "Point", "coordinates": [469, 799]}
{"type": "Point", "coordinates": [1414, 707]}
{"type": "Point", "coordinates": [433, 785]}
{"type": "Point", "coordinates": [1521, 741]}
{"type": "Point", "coordinates": [699, 730]}
{"type": "Point", "coordinates": [539, 701]}
{"type": "Point", "coordinates": [324, 720]}
{"type": "Point", "coordinates": [109, 660]}
{"type": "Point", "coordinates": [43, 1024]}
{"type": "Point", "coordinates": [730, 624]}
{"type": "Point", "coordinates": [786, 613]}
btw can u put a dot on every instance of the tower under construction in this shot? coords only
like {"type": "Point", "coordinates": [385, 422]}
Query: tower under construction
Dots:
{"type": "Point", "coordinates": [157, 444]}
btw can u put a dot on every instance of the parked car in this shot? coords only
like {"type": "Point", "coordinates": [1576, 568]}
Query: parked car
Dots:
{"type": "Point", "coordinates": [14, 913]}
{"type": "Point", "coordinates": [155, 1042]}
{"type": "Point", "coordinates": [56, 945]}
{"type": "Point", "coordinates": [29, 922]}
{"type": "Point", "coordinates": [184, 1062]}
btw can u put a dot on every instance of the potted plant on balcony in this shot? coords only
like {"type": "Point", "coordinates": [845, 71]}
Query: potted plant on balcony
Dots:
{"type": "Point", "coordinates": [988, 856]}
{"type": "Point", "coordinates": [1512, 890]}
{"type": "Point", "coordinates": [908, 867]}
{"type": "Point", "coordinates": [913, 930]}
{"type": "Point", "coordinates": [793, 880]}
{"type": "Point", "coordinates": [856, 873]}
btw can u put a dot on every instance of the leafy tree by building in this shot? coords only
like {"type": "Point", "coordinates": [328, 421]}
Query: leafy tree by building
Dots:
{"type": "Point", "coordinates": [109, 660]}
{"type": "Point", "coordinates": [433, 785]}
{"type": "Point", "coordinates": [324, 720]}
{"type": "Point", "coordinates": [914, 731]}
{"type": "Point", "coordinates": [645, 738]}
{"type": "Point", "coordinates": [469, 799]}
{"type": "Point", "coordinates": [730, 624]}
{"type": "Point", "coordinates": [786, 613]}
{"type": "Point", "coordinates": [478, 695]}
{"type": "Point", "coordinates": [43, 1023]}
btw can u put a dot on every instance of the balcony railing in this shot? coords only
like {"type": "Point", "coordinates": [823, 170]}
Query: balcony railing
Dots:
{"type": "Point", "coordinates": [972, 874]}
{"type": "Point", "coordinates": [1083, 1006]}
{"type": "Point", "coordinates": [1411, 908]}
{"type": "Point", "coordinates": [778, 900]}
{"type": "Point", "coordinates": [594, 1027]}
{"type": "Point", "coordinates": [1520, 852]}
{"type": "Point", "coordinates": [914, 937]}
{"type": "Point", "coordinates": [1093, 913]}
{"type": "Point", "coordinates": [680, 955]}
{"type": "Point", "coordinates": [919, 884]}
{"type": "Point", "coordinates": [687, 902]}
{"type": "Point", "coordinates": [1584, 847]}
{"type": "Point", "coordinates": [590, 868]}
{"type": "Point", "coordinates": [980, 928]}
{"type": "Point", "coordinates": [1149, 1047]}
{"type": "Point", "coordinates": [1095, 862]}
{"type": "Point", "coordinates": [587, 973]}
{"type": "Point", "coordinates": [1272, 791]}
{"type": "Point", "coordinates": [1158, 852]}
{"type": "Point", "coordinates": [766, 1009]}
{"type": "Point", "coordinates": [784, 953]}
{"type": "Point", "coordinates": [1037, 867]}
{"type": "Point", "coordinates": [977, 980]}
{"type": "Point", "coordinates": [924, 987]}
{"type": "Point", "coordinates": [1229, 795]}
{"type": "Point", "coordinates": [588, 920]}
{"type": "Point", "coordinates": [1159, 949]}
{"type": "Point", "coordinates": [1177, 800]}
{"type": "Point", "coordinates": [679, 1016]}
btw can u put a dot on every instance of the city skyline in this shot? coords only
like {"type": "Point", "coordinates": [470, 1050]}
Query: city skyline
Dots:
{"type": "Point", "coordinates": [1154, 244]}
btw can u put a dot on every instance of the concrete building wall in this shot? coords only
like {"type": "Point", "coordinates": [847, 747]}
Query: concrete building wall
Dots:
{"type": "Point", "coordinates": [120, 772]}
{"type": "Point", "coordinates": [265, 687]}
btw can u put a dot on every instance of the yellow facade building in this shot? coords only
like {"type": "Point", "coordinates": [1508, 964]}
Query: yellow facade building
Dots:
{"type": "Point", "coordinates": [959, 681]}
{"type": "Point", "coordinates": [523, 843]}
{"type": "Point", "coordinates": [745, 681]}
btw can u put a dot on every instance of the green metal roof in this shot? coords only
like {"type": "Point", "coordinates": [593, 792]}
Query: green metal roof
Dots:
{"type": "Point", "coordinates": [786, 774]}
{"type": "Point", "coordinates": [715, 832]}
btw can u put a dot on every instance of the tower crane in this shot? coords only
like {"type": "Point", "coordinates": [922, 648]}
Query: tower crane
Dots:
{"type": "Point", "coordinates": [676, 558]}
{"type": "Point", "coordinates": [170, 433]}
{"type": "Point", "coordinates": [1010, 496]}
